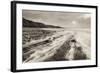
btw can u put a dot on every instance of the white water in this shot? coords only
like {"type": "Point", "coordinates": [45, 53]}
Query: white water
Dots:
{"type": "Point", "coordinates": [45, 51]}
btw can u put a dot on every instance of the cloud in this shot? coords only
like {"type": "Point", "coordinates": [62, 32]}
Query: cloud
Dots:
{"type": "Point", "coordinates": [86, 16]}
{"type": "Point", "coordinates": [63, 19]}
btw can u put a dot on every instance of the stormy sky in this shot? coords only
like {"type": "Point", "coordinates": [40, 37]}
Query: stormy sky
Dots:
{"type": "Point", "coordinates": [62, 19]}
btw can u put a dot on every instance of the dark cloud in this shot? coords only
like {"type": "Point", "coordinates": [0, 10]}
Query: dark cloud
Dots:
{"type": "Point", "coordinates": [63, 19]}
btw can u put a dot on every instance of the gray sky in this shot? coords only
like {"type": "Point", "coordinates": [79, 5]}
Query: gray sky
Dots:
{"type": "Point", "coordinates": [63, 19]}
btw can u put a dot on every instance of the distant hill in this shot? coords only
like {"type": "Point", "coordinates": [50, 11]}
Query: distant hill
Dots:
{"type": "Point", "coordinates": [28, 23]}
